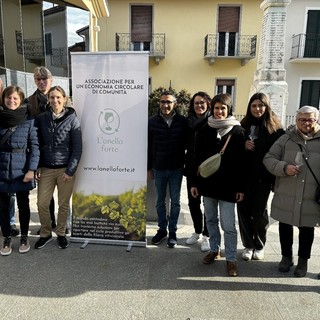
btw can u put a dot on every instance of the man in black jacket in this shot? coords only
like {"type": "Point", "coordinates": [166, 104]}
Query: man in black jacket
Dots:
{"type": "Point", "coordinates": [167, 132]}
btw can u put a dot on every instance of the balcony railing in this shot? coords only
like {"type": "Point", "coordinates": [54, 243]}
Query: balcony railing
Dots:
{"type": "Point", "coordinates": [305, 46]}
{"type": "Point", "coordinates": [156, 48]}
{"type": "Point", "coordinates": [32, 48]}
{"type": "Point", "coordinates": [226, 45]}
{"type": "Point", "coordinates": [59, 57]}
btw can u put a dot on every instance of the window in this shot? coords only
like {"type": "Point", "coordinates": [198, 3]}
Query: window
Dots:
{"type": "Point", "coordinates": [312, 45]}
{"type": "Point", "coordinates": [228, 29]}
{"type": "Point", "coordinates": [226, 86]}
{"type": "Point", "coordinates": [48, 43]}
{"type": "Point", "coordinates": [141, 28]}
{"type": "Point", "coordinates": [310, 93]}
{"type": "Point", "coordinates": [19, 42]}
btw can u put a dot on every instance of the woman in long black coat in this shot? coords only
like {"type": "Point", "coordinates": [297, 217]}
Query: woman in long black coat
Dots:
{"type": "Point", "coordinates": [262, 129]}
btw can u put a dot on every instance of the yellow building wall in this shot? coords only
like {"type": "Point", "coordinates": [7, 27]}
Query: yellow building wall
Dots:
{"type": "Point", "coordinates": [11, 24]}
{"type": "Point", "coordinates": [185, 25]}
{"type": "Point", "coordinates": [32, 28]}
{"type": "Point", "coordinates": [30, 21]}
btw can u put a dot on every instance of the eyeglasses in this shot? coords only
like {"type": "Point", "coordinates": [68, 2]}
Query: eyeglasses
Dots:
{"type": "Point", "coordinates": [200, 103]}
{"type": "Point", "coordinates": [168, 102]}
{"type": "Point", "coordinates": [306, 120]}
{"type": "Point", "coordinates": [39, 79]}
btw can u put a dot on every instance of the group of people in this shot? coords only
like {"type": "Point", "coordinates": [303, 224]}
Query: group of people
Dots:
{"type": "Point", "coordinates": [259, 156]}
{"type": "Point", "coordinates": [40, 140]}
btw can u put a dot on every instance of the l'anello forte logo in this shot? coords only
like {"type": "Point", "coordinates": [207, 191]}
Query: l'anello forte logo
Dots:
{"type": "Point", "coordinates": [109, 121]}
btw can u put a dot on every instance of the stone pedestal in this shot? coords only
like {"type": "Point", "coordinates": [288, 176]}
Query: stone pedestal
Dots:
{"type": "Point", "coordinates": [270, 77]}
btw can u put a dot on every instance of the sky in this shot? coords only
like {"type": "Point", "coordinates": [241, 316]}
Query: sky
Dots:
{"type": "Point", "coordinates": [76, 19]}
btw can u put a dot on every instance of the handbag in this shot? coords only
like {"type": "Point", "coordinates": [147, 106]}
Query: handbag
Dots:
{"type": "Point", "coordinates": [317, 194]}
{"type": "Point", "coordinates": [211, 165]}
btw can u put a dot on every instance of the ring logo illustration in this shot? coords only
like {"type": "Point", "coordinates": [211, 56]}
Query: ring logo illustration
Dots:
{"type": "Point", "coordinates": [109, 121]}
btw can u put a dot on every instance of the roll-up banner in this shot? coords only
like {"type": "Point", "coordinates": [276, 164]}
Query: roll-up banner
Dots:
{"type": "Point", "coordinates": [110, 96]}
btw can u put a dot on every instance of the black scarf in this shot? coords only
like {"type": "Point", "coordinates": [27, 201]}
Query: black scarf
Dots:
{"type": "Point", "coordinates": [195, 123]}
{"type": "Point", "coordinates": [43, 101]}
{"type": "Point", "coordinates": [11, 118]}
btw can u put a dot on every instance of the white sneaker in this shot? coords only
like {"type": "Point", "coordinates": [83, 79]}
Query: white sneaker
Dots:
{"type": "Point", "coordinates": [193, 239]}
{"type": "Point", "coordinates": [247, 254]}
{"type": "Point", "coordinates": [205, 245]}
{"type": "Point", "coordinates": [258, 254]}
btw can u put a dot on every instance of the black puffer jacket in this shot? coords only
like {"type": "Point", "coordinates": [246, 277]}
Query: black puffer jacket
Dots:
{"type": "Point", "coordinates": [18, 154]}
{"type": "Point", "coordinates": [60, 141]}
{"type": "Point", "coordinates": [166, 145]}
{"type": "Point", "coordinates": [194, 124]}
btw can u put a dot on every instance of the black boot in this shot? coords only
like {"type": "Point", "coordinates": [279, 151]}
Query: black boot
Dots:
{"type": "Point", "coordinates": [301, 268]}
{"type": "Point", "coordinates": [285, 264]}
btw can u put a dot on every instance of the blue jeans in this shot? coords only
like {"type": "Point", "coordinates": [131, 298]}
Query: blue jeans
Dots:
{"type": "Point", "coordinates": [163, 179]}
{"type": "Point", "coordinates": [227, 219]}
{"type": "Point", "coordinates": [12, 208]}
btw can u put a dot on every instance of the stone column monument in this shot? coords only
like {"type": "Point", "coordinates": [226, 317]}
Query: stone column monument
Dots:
{"type": "Point", "coordinates": [270, 76]}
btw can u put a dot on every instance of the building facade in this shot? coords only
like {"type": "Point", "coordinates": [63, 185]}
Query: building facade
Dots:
{"type": "Point", "coordinates": [199, 45]}
{"type": "Point", "coordinates": [302, 54]}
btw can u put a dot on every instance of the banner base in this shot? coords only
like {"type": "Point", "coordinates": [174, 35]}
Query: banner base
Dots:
{"type": "Point", "coordinates": [128, 243]}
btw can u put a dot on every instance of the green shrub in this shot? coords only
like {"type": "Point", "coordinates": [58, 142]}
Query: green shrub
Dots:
{"type": "Point", "coordinates": [183, 99]}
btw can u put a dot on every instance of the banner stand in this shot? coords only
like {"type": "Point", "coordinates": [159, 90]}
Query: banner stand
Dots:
{"type": "Point", "coordinates": [110, 95]}
{"type": "Point", "coordinates": [129, 244]}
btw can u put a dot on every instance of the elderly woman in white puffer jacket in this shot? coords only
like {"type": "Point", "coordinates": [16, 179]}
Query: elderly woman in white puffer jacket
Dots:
{"type": "Point", "coordinates": [294, 201]}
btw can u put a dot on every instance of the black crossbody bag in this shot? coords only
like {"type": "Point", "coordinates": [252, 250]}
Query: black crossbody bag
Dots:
{"type": "Point", "coordinates": [317, 195]}
{"type": "Point", "coordinates": [6, 136]}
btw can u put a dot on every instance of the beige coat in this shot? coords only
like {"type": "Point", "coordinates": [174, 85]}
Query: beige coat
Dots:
{"type": "Point", "coordinates": [293, 202]}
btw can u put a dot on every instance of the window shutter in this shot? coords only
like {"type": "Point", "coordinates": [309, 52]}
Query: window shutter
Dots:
{"type": "Point", "coordinates": [229, 19]}
{"type": "Point", "coordinates": [310, 93]}
{"type": "Point", "coordinates": [141, 23]}
{"type": "Point", "coordinates": [313, 24]}
{"type": "Point", "coordinates": [48, 43]}
{"type": "Point", "coordinates": [225, 82]}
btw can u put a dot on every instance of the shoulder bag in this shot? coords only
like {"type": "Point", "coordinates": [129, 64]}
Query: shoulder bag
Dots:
{"type": "Point", "coordinates": [317, 195]}
{"type": "Point", "coordinates": [211, 165]}
{"type": "Point", "coordinates": [6, 136]}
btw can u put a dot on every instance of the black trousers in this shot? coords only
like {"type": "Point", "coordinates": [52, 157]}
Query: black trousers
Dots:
{"type": "Point", "coordinates": [306, 236]}
{"type": "Point", "coordinates": [24, 212]}
{"type": "Point", "coordinates": [253, 215]}
{"type": "Point", "coordinates": [198, 218]}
